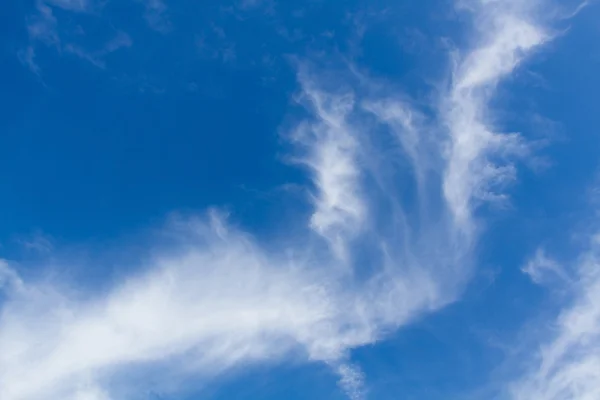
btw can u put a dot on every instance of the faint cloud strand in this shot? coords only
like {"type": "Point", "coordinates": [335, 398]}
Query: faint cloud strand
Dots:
{"type": "Point", "coordinates": [156, 15]}
{"type": "Point", "coordinates": [121, 40]}
{"type": "Point", "coordinates": [37, 242]}
{"type": "Point", "coordinates": [508, 33]}
{"type": "Point", "coordinates": [42, 28]}
{"type": "Point", "coordinates": [541, 268]}
{"type": "Point", "coordinates": [567, 366]}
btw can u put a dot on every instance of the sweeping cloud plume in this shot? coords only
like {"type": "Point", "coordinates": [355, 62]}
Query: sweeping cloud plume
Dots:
{"type": "Point", "coordinates": [384, 244]}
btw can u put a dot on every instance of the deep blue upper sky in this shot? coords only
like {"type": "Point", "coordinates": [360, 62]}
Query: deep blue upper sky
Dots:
{"type": "Point", "coordinates": [116, 114]}
{"type": "Point", "coordinates": [107, 148]}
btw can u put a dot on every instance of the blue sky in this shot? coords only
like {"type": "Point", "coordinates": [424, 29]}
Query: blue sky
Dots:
{"type": "Point", "coordinates": [256, 199]}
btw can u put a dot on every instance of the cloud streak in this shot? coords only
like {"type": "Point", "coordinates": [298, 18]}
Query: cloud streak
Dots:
{"type": "Point", "coordinates": [156, 15]}
{"type": "Point", "coordinates": [567, 365]}
{"type": "Point", "coordinates": [509, 33]}
{"type": "Point", "coordinates": [43, 28]}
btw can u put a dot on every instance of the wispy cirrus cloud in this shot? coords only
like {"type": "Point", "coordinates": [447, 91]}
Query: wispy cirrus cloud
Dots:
{"type": "Point", "coordinates": [542, 268]}
{"type": "Point", "coordinates": [567, 363]}
{"type": "Point", "coordinates": [331, 145]}
{"type": "Point", "coordinates": [219, 297]}
{"type": "Point", "coordinates": [156, 15]}
{"type": "Point", "coordinates": [43, 29]}
{"type": "Point", "coordinates": [376, 255]}
{"type": "Point", "coordinates": [509, 31]}
{"type": "Point", "coordinates": [119, 41]}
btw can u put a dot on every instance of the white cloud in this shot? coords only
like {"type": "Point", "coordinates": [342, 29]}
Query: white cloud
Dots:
{"type": "Point", "coordinates": [27, 58]}
{"type": "Point", "coordinates": [421, 250]}
{"type": "Point", "coordinates": [507, 33]}
{"type": "Point", "coordinates": [156, 15]}
{"type": "Point", "coordinates": [332, 152]}
{"type": "Point", "coordinates": [43, 24]}
{"type": "Point", "coordinates": [409, 129]}
{"type": "Point", "coordinates": [119, 41]}
{"type": "Point", "coordinates": [567, 366]}
{"type": "Point", "coordinates": [541, 268]}
{"type": "Point", "coordinates": [43, 28]}
{"type": "Point", "coordinates": [352, 381]}
{"type": "Point", "coordinates": [8, 278]}
{"type": "Point", "coordinates": [219, 300]}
